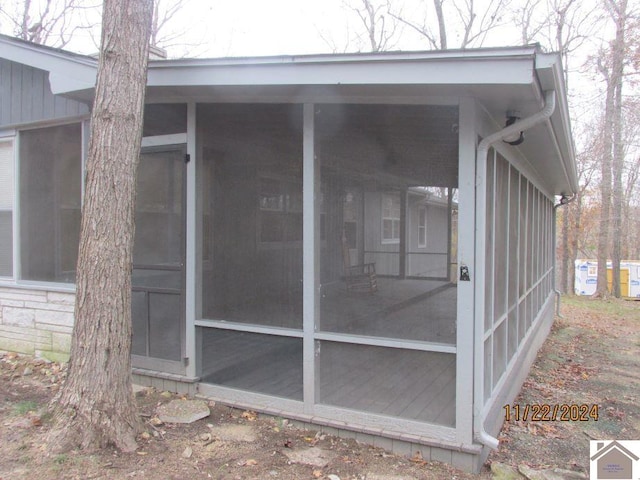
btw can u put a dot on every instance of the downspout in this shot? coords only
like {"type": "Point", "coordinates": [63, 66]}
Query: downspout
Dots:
{"type": "Point", "coordinates": [563, 202]}
{"type": "Point", "coordinates": [480, 435]}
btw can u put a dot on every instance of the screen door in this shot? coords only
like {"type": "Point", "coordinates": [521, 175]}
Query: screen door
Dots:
{"type": "Point", "coordinates": [158, 261]}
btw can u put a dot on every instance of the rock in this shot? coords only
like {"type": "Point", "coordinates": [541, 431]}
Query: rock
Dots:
{"type": "Point", "coordinates": [501, 471]}
{"type": "Point", "coordinates": [382, 476]}
{"type": "Point", "coordinates": [550, 474]}
{"type": "Point", "coordinates": [183, 411]}
{"type": "Point", "coordinates": [570, 474]}
{"type": "Point", "coordinates": [530, 473]}
{"type": "Point", "coordinates": [235, 433]}
{"type": "Point", "coordinates": [27, 371]}
{"type": "Point", "coordinates": [333, 477]}
{"type": "Point", "coordinates": [314, 456]}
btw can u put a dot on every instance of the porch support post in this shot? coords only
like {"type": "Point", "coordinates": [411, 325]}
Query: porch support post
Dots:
{"type": "Point", "coordinates": [310, 255]}
{"type": "Point", "coordinates": [466, 257]}
{"type": "Point", "coordinates": [191, 244]}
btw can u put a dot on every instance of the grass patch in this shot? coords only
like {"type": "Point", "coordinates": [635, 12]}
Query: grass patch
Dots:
{"type": "Point", "coordinates": [613, 306]}
{"type": "Point", "coordinates": [61, 459]}
{"type": "Point", "coordinates": [25, 406]}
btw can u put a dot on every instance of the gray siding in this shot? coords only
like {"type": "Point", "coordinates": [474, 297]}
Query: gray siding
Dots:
{"type": "Point", "coordinates": [25, 97]}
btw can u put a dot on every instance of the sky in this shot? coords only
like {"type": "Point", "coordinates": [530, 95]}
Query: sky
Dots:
{"type": "Point", "coordinates": [219, 28]}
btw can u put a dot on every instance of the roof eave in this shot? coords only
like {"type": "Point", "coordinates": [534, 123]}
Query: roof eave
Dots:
{"type": "Point", "coordinates": [550, 76]}
{"type": "Point", "coordinates": [68, 71]}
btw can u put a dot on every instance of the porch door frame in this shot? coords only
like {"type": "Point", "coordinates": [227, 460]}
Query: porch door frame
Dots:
{"type": "Point", "coordinates": [157, 143]}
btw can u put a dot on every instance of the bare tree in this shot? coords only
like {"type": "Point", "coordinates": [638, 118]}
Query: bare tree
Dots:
{"type": "Point", "coordinates": [468, 23]}
{"type": "Point", "coordinates": [50, 22]}
{"type": "Point", "coordinates": [170, 32]}
{"type": "Point", "coordinates": [380, 27]}
{"type": "Point", "coordinates": [95, 405]}
{"type": "Point", "coordinates": [611, 64]}
{"type": "Point", "coordinates": [527, 18]}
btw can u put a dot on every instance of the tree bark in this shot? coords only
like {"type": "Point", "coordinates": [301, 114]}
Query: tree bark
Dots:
{"type": "Point", "coordinates": [618, 147]}
{"type": "Point", "coordinates": [442, 26]}
{"type": "Point", "coordinates": [575, 241]}
{"type": "Point", "coordinates": [95, 406]}
{"type": "Point", "coordinates": [564, 263]}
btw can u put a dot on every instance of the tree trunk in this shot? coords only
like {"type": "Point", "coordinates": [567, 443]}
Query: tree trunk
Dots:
{"type": "Point", "coordinates": [95, 406]}
{"type": "Point", "coordinates": [617, 74]}
{"type": "Point", "coordinates": [442, 26]}
{"type": "Point", "coordinates": [564, 263]}
{"type": "Point", "coordinates": [575, 243]}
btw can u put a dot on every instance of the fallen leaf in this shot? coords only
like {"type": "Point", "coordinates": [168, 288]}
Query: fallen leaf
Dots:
{"type": "Point", "coordinates": [418, 458]}
{"type": "Point", "coordinates": [187, 452]}
{"type": "Point", "coordinates": [249, 415]}
{"type": "Point", "coordinates": [155, 421]}
{"type": "Point", "coordinates": [317, 473]}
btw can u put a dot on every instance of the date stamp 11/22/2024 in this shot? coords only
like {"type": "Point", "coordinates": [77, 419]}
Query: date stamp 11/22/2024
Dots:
{"type": "Point", "coordinates": [546, 412]}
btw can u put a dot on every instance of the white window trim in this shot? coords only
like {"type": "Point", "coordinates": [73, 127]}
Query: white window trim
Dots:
{"type": "Point", "coordinates": [422, 226]}
{"type": "Point", "coordinates": [394, 240]}
{"type": "Point", "coordinates": [11, 140]}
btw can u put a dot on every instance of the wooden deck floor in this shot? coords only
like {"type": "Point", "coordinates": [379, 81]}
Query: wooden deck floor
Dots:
{"type": "Point", "coordinates": [401, 383]}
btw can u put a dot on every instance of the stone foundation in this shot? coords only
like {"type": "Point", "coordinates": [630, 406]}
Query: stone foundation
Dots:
{"type": "Point", "coordinates": [36, 322]}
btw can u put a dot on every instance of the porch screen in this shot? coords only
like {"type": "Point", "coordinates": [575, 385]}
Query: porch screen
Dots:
{"type": "Point", "coordinates": [519, 265]}
{"type": "Point", "coordinates": [50, 192]}
{"type": "Point", "coordinates": [251, 184]}
{"type": "Point", "coordinates": [386, 172]}
{"type": "Point", "coordinates": [387, 296]}
{"type": "Point", "coordinates": [6, 208]}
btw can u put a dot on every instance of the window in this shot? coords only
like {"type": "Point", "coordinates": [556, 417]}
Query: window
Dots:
{"type": "Point", "coordinates": [422, 227]}
{"type": "Point", "coordinates": [50, 192]}
{"type": "Point", "coordinates": [6, 208]}
{"type": "Point", "coordinates": [280, 210]}
{"type": "Point", "coordinates": [390, 218]}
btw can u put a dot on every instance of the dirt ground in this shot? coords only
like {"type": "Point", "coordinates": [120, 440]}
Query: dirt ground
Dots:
{"type": "Point", "coordinates": [592, 357]}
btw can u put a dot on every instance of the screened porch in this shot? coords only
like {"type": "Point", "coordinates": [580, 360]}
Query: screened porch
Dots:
{"type": "Point", "coordinates": [383, 212]}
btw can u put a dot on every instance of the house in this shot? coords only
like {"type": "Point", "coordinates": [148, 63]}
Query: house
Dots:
{"type": "Point", "coordinates": [613, 461]}
{"type": "Point", "coordinates": [587, 277]}
{"type": "Point", "coordinates": [255, 174]}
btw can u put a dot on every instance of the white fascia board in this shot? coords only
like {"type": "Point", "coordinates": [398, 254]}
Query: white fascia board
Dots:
{"type": "Point", "coordinates": [551, 77]}
{"type": "Point", "coordinates": [419, 71]}
{"type": "Point", "coordinates": [68, 72]}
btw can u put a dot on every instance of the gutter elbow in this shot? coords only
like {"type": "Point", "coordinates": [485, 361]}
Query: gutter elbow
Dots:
{"type": "Point", "coordinates": [487, 440]}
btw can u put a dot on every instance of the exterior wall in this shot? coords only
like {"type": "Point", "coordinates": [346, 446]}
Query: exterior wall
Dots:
{"type": "Point", "coordinates": [429, 260]}
{"type": "Point", "coordinates": [26, 97]}
{"type": "Point", "coordinates": [586, 277]}
{"type": "Point", "coordinates": [36, 322]}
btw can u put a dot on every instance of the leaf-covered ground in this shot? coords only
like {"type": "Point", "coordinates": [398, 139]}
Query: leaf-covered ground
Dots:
{"type": "Point", "coordinates": [592, 357]}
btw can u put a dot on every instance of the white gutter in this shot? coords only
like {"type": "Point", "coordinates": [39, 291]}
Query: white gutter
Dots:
{"type": "Point", "coordinates": [480, 435]}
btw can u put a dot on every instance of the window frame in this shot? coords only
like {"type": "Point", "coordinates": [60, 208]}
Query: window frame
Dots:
{"type": "Point", "coordinates": [11, 209]}
{"type": "Point", "coordinates": [19, 275]}
{"type": "Point", "coordinates": [395, 221]}
{"type": "Point", "coordinates": [422, 226]}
